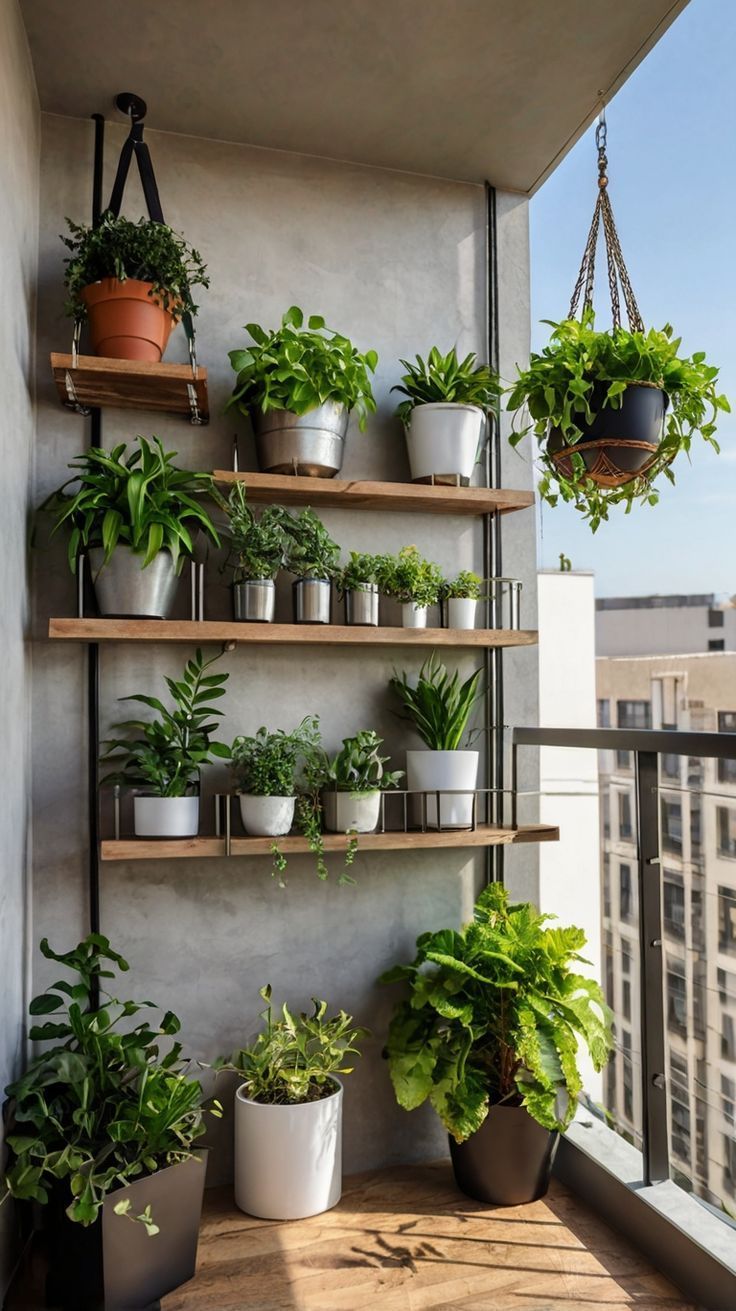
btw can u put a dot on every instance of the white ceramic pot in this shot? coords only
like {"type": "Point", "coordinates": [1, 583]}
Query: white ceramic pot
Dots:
{"type": "Point", "coordinates": [351, 812]}
{"type": "Point", "coordinates": [288, 1159]}
{"type": "Point", "coordinates": [166, 817]}
{"type": "Point", "coordinates": [432, 772]}
{"type": "Point", "coordinates": [268, 817]}
{"type": "Point", "coordinates": [461, 612]}
{"type": "Point", "coordinates": [443, 441]}
{"type": "Point", "coordinates": [413, 616]}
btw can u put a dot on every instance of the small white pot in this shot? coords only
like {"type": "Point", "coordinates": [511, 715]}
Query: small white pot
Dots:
{"type": "Point", "coordinates": [413, 616]}
{"type": "Point", "coordinates": [166, 817]}
{"type": "Point", "coordinates": [351, 812]}
{"type": "Point", "coordinates": [267, 817]}
{"type": "Point", "coordinates": [433, 771]}
{"type": "Point", "coordinates": [443, 441]}
{"type": "Point", "coordinates": [288, 1159]}
{"type": "Point", "coordinates": [461, 612]}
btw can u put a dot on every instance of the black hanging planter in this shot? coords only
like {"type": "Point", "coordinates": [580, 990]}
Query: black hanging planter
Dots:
{"type": "Point", "coordinates": [508, 1161]}
{"type": "Point", "coordinates": [621, 443]}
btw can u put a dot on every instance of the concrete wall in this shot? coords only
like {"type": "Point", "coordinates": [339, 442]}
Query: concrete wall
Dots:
{"type": "Point", "coordinates": [397, 262]}
{"type": "Point", "coordinates": [19, 166]}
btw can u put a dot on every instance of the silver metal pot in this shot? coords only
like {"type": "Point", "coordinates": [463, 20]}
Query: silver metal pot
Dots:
{"type": "Point", "coordinates": [254, 600]}
{"type": "Point", "coordinates": [125, 591]}
{"type": "Point", "coordinates": [310, 444]}
{"type": "Point", "coordinates": [361, 605]}
{"type": "Point", "coordinates": [312, 600]}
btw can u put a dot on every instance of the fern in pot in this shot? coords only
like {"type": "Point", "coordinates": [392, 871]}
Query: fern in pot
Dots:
{"type": "Point", "coordinates": [266, 768]}
{"type": "Point", "coordinates": [413, 581]}
{"type": "Point", "coordinates": [257, 551]}
{"type": "Point", "coordinates": [354, 781]}
{"type": "Point", "coordinates": [299, 386]}
{"type": "Point", "coordinates": [459, 599]}
{"type": "Point", "coordinates": [489, 1034]}
{"type": "Point", "coordinates": [313, 558]}
{"type": "Point", "coordinates": [358, 584]}
{"type": "Point", "coordinates": [444, 414]}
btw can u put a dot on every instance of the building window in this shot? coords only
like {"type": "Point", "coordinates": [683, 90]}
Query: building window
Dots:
{"type": "Point", "coordinates": [695, 827]}
{"type": "Point", "coordinates": [634, 714]}
{"type": "Point", "coordinates": [715, 619]}
{"type": "Point", "coordinates": [610, 976]}
{"type": "Point", "coordinates": [671, 826]}
{"type": "Point", "coordinates": [726, 986]}
{"type": "Point", "coordinates": [670, 766]}
{"type": "Point", "coordinates": [680, 1130]}
{"type": "Point", "coordinates": [606, 882]}
{"type": "Point", "coordinates": [716, 644]}
{"type": "Point", "coordinates": [726, 825]}
{"type": "Point", "coordinates": [674, 905]}
{"type": "Point", "coordinates": [604, 712]}
{"type": "Point", "coordinates": [626, 893]}
{"type": "Point", "coordinates": [623, 761]}
{"type": "Point", "coordinates": [626, 999]}
{"type": "Point", "coordinates": [625, 957]}
{"type": "Point", "coordinates": [727, 768]}
{"type": "Point", "coordinates": [727, 920]}
{"type": "Point", "coordinates": [606, 814]}
{"type": "Point", "coordinates": [729, 1163]}
{"type": "Point", "coordinates": [628, 1077]}
{"type": "Point", "coordinates": [625, 825]}
{"type": "Point", "coordinates": [728, 1039]}
{"type": "Point", "coordinates": [728, 1098]}
{"type": "Point", "coordinates": [697, 934]}
{"type": "Point", "coordinates": [676, 998]}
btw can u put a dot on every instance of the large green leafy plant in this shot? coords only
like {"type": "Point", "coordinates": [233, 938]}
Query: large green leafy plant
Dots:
{"type": "Point", "coordinates": [495, 1014]}
{"type": "Point", "coordinates": [310, 551]}
{"type": "Point", "coordinates": [257, 543]}
{"type": "Point", "coordinates": [578, 372]}
{"type": "Point", "coordinates": [409, 578]}
{"type": "Point", "coordinates": [108, 1103]}
{"type": "Point", "coordinates": [446, 378]}
{"type": "Point", "coordinates": [146, 250]}
{"type": "Point", "coordinates": [437, 704]}
{"type": "Point", "coordinates": [165, 755]}
{"type": "Point", "coordinates": [269, 764]}
{"type": "Point", "coordinates": [296, 368]}
{"type": "Point", "coordinates": [139, 499]}
{"type": "Point", "coordinates": [359, 766]}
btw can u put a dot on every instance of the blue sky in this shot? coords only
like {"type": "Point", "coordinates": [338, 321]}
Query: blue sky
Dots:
{"type": "Point", "coordinates": [672, 170]}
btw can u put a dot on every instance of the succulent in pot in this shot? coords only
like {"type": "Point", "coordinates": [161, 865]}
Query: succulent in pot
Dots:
{"type": "Point", "coordinates": [103, 1129]}
{"type": "Point", "coordinates": [611, 411]}
{"type": "Point", "coordinates": [459, 599]}
{"type": "Point", "coordinates": [439, 706]}
{"type": "Point", "coordinates": [358, 583]}
{"type": "Point", "coordinates": [413, 581]}
{"type": "Point", "coordinates": [489, 1033]}
{"type": "Point", "coordinates": [266, 769]}
{"type": "Point", "coordinates": [257, 551]}
{"type": "Point", "coordinates": [299, 385]}
{"type": "Point", "coordinates": [135, 514]}
{"type": "Point", "coordinates": [288, 1111]}
{"type": "Point", "coordinates": [163, 757]}
{"type": "Point", "coordinates": [133, 282]}
{"type": "Point", "coordinates": [354, 781]}
{"type": "Point", "coordinates": [313, 558]}
{"type": "Point", "coordinates": [444, 414]}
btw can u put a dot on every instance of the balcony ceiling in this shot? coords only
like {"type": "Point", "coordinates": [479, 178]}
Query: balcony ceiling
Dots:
{"type": "Point", "coordinates": [463, 89]}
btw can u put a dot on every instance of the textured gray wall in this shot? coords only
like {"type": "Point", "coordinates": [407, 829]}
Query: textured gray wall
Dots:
{"type": "Point", "coordinates": [19, 170]}
{"type": "Point", "coordinates": [397, 262]}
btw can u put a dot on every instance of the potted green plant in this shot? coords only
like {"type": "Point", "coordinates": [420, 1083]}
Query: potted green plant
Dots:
{"type": "Point", "coordinates": [163, 757]}
{"type": "Point", "coordinates": [439, 706]}
{"type": "Point", "coordinates": [358, 582]}
{"type": "Point", "coordinates": [133, 281]}
{"type": "Point", "coordinates": [135, 514]}
{"type": "Point", "coordinates": [102, 1130]}
{"type": "Point", "coordinates": [489, 1033]}
{"type": "Point", "coordinates": [298, 386]}
{"type": "Point", "coordinates": [288, 1111]}
{"type": "Point", "coordinates": [610, 412]}
{"type": "Point", "coordinates": [459, 599]}
{"type": "Point", "coordinates": [354, 781]}
{"type": "Point", "coordinates": [257, 551]}
{"type": "Point", "coordinates": [266, 769]}
{"type": "Point", "coordinates": [413, 581]}
{"type": "Point", "coordinates": [444, 414]}
{"type": "Point", "coordinates": [313, 558]}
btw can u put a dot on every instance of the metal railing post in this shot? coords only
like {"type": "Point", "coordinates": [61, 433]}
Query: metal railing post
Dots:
{"type": "Point", "coordinates": [653, 1066]}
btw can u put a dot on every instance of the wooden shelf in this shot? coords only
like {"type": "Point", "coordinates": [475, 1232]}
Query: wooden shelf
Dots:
{"type": "Point", "coordinates": [131, 384]}
{"type": "Point", "coordinates": [201, 848]}
{"type": "Point", "coordinates": [419, 497]}
{"type": "Point", "coordinates": [193, 631]}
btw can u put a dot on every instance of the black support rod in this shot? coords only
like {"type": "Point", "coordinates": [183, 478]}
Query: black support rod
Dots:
{"type": "Point", "coordinates": [93, 651]}
{"type": "Point", "coordinates": [492, 557]}
{"type": "Point", "coordinates": [654, 1084]}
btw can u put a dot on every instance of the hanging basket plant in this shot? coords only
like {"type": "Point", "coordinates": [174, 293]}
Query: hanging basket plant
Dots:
{"type": "Point", "coordinates": [611, 410]}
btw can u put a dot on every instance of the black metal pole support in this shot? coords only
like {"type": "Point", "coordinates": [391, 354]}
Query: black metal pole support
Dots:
{"type": "Point", "coordinates": [93, 650]}
{"type": "Point", "coordinates": [492, 559]}
{"type": "Point", "coordinates": [654, 1084]}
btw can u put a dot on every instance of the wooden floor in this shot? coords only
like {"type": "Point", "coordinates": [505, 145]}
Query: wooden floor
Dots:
{"type": "Point", "coordinates": [407, 1240]}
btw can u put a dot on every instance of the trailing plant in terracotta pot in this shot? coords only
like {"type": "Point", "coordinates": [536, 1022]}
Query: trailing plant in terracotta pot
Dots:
{"type": "Point", "coordinates": [133, 282]}
{"type": "Point", "coordinates": [459, 599]}
{"type": "Point", "coordinates": [353, 782]}
{"type": "Point", "coordinates": [267, 769]}
{"type": "Point", "coordinates": [358, 582]}
{"type": "Point", "coordinates": [135, 514]}
{"type": "Point", "coordinates": [288, 1111]}
{"type": "Point", "coordinates": [299, 386]}
{"type": "Point", "coordinates": [444, 414]}
{"type": "Point", "coordinates": [413, 581]}
{"type": "Point", "coordinates": [314, 559]}
{"type": "Point", "coordinates": [489, 1034]}
{"type": "Point", "coordinates": [162, 758]}
{"type": "Point", "coordinates": [257, 551]}
{"type": "Point", "coordinates": [102, 1130]}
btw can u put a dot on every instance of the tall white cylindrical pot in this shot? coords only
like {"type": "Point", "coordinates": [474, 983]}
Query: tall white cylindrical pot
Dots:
{"type": "Point", "coordinates": [434, 771]}
{"type": "Point", "coordinates": [267, 817]}
{"type": "Point", "coordinates": [288, 1159]}
{"type": "Point", "coordinates": [351, 812]}
{"type": "Point", "coordinates": [166, 817]}
{"type": "Point", "coordinates": [413, 616]}
{"type": "Point", "coordinates": [461, 612]}
{"type": "Point", "coordinates": [443, 441]}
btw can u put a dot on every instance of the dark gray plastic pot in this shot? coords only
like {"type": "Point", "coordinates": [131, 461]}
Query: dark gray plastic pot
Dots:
{"type": "Point", "coordinates": [508, 1161]}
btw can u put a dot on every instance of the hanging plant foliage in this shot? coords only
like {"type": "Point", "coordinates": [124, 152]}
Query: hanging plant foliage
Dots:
{"type": "Point", "coordinates": [611, 410]}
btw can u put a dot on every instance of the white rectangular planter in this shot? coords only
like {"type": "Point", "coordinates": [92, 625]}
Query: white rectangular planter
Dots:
{"type": "Point", "coordinates": [413, 616]}
{"type": "Point", "coordinates": [443, 440]}
{"type": "Point", "coordinates": [166, 817]}
{"type": "Point", "coordinates": [269, 817]}
{"type": "Point", "coordinates": [433, 771]}
{"type": "Point", "coordinates": [288, 1159]}
{"type": "Point", "coordinates": [461, 612]}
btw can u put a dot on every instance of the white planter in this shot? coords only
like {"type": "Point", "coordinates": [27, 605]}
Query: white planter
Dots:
{"type": "Point", "coordinates": [461, 612]}
{"type": "Point", "coordinates": [268, 817]}
{"type": "Point", "coordinates": [166, 817]}
{"type": "Point", "coordinates": [351, 812]}
{"type": "Point", "coordinates": [443, 441]}
{"type": "Point", "coordinates": [432, 772]}
{"type": "Point", "coordinates": [288, 1159]}
{"type": "Point", "coordinates": [414, 616]}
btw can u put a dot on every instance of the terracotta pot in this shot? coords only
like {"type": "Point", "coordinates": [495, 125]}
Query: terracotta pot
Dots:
{"type": "Point", "coordinates": [126, 322]}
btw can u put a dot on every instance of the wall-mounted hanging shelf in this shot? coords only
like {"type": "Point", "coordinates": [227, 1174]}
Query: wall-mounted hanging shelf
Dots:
{"type": "Point", "coordinates": [419, 497]}
{"type": "Point", "coordinates": [93, 381]}
{"type": "Point", "coordinates": [195, 631]}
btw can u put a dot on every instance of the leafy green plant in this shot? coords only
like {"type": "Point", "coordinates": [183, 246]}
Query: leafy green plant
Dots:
{"type": "Point", "coordinates": [149, 251]}
{"type": "Point", "coordinates": [359, 573]}
{"type": "Point", "coordinates": [105, 1105]}
{"type": "Point", "coordinates": [268, 764]}
{"type": "Point", "coordinates": [257, 544]}
{"type": "Point", "coordinates": [165, 755]}
{"type": "Point", "coordinates": [446, 378]}
{"type": "Point", "coordinates": [310, 551]}
{"type": "Point", "coordinates": [297, 369]}
{"type": "Point", "coordinates": [437, 704]}
{"type": "Point", "coordinates": [296, 1058]}
{"type": "Point", "coordinates": [467, 586]}
{"type": "Point", "coordinates": [358, 766]}
{"type": "Point", "coordinates": [140, 500]}
{"type": "Point", "coordinates": [581, 369]}
{"type": "Point", "coordinates": [495, 1013]}
{"type": "Point", "coordinates": [409, 577]}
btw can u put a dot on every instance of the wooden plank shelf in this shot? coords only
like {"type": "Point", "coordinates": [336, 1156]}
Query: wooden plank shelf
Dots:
{"type": "Point", "coordinates": [131, 384]}
{"type": "Point", "coordinates": [417, 497]}
{"type": "Point", "coordinates": [195, 631]}
{"type": "Point", "coordinates": [485, 835]}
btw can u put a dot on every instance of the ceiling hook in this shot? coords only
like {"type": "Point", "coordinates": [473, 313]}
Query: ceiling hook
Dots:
{"type": "Point", "coordinates": [131, 105]}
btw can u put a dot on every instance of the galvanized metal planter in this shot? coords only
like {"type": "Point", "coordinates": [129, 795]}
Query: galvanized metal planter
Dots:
{"type": "Point", "coordinates": [254, 600]}
{"type": "Point", "coordinates": [310, 444]}
{"type": "Point", "coordinates": [125, 591]}
{"type": "Point", "coordinates": [312, 601]}
{"type": "Point", "coordinates": [361, 605]}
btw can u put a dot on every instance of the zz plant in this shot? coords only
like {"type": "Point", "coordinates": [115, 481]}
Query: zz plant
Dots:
{"type": "Point", "coordinates": [437, 704]}
{"type": "Point", "coordinates": [446, 378]}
